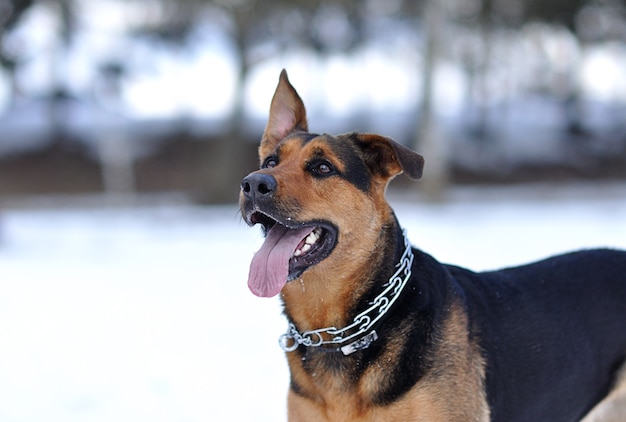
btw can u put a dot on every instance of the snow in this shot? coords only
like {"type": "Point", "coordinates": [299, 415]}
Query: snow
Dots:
{"type": "Point", "coordinates": [132, 314]}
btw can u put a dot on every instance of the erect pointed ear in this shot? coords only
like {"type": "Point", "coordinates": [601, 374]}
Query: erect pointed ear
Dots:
{"type": "Point", "coordinates": [387, 158]}
{"type": "Point", "coordinates": [287, 115]}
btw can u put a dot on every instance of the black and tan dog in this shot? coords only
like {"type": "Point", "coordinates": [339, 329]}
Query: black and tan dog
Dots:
{"type": "Point", "coordinates": [379, 331]}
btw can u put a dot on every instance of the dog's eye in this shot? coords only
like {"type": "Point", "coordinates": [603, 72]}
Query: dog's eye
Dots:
{"type": "Point", "coordinates": [322, 168]}
{"type": "Point", "coordinates": [270, 162]}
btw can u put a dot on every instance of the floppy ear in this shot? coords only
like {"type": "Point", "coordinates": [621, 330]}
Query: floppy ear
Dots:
{"type": "Point", "coordinates": [387, 158]}
{"type": "Point", "coordinates": [287, 115]}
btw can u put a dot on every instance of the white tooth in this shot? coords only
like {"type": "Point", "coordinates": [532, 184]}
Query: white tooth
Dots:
{"type": "Point", "coordinates": [298, 252]}
{"type": "Point", "coordinates": [306, 248]}
{"type": "Point", "coordinates": [311, 239]}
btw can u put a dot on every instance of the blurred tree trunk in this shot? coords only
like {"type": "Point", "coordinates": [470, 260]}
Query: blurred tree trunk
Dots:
{"type": "Point", "coordinates": [482, 129]}
{"type": "Point", "coordinates": [226, 166]}
{"type": "Point", "coordinates": [11, 16]}
{"type": "Point", "coordinates": [430, 142]}
{"type": "Point", "coordinates": [60, 99]}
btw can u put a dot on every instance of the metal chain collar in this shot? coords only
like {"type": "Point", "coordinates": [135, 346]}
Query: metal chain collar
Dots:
{"type": "Point", "coordinates": [362, 323]}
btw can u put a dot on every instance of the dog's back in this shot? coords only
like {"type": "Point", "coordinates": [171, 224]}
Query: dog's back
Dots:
{"type": "Point", "coordinates": [553, 333]}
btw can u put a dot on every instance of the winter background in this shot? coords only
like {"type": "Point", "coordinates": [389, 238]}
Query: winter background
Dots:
{"type": "Point", "coordinates": [123, 299]}
{"type": "Point", "coordinates": [143, 313]}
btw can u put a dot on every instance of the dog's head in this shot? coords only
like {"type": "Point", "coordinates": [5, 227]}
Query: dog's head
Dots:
{"type": "Point", "coordinates": [319, 198]}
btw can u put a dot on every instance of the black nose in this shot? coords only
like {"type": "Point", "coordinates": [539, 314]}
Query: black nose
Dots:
{"type": "Point", "coordinates": [258, 185]}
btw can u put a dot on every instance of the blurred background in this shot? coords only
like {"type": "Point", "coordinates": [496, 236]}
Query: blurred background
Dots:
{"type": "Point", "coordinates": [127, 125]}
{"type": "Point", "coordinates": [126, 97]}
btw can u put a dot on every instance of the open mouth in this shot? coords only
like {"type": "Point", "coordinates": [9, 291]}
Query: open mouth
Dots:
{"type": "Point", "coordinates": [290, 248]}
{"type": "Point", "coordinates": [311, 250]}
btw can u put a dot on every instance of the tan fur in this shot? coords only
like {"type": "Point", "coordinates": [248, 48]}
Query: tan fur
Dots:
{"type": "Point", "coordinates": [451, 392]}
{"type": "Point", "coordinates": [613, 407]}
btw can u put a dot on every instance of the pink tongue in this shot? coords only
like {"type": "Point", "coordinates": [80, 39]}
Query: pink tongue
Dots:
{"type": "Point", "coordinates": [270, 266]}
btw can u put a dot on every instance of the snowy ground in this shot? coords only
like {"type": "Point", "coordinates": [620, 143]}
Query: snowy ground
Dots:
{"type": "Point", "coordinates": [143, 314]}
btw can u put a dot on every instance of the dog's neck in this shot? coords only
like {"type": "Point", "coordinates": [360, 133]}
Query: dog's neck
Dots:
{"type": "Point", "coordinates": [360, 332]}
{"type": "Point", "coordinates": [324, 373]}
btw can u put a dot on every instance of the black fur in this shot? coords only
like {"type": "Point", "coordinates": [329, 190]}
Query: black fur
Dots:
{"type": "Point", "coordinates": [553, 333]}
{"type": "Point", "coordinates": [355, 170]}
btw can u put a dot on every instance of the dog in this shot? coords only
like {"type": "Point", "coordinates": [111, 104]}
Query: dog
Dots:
{"type": "Point", "coordinates": [381, 331]}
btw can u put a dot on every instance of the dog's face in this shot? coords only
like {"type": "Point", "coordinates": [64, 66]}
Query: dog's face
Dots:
{"type": "Point", "coordinates": [319, 198]}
